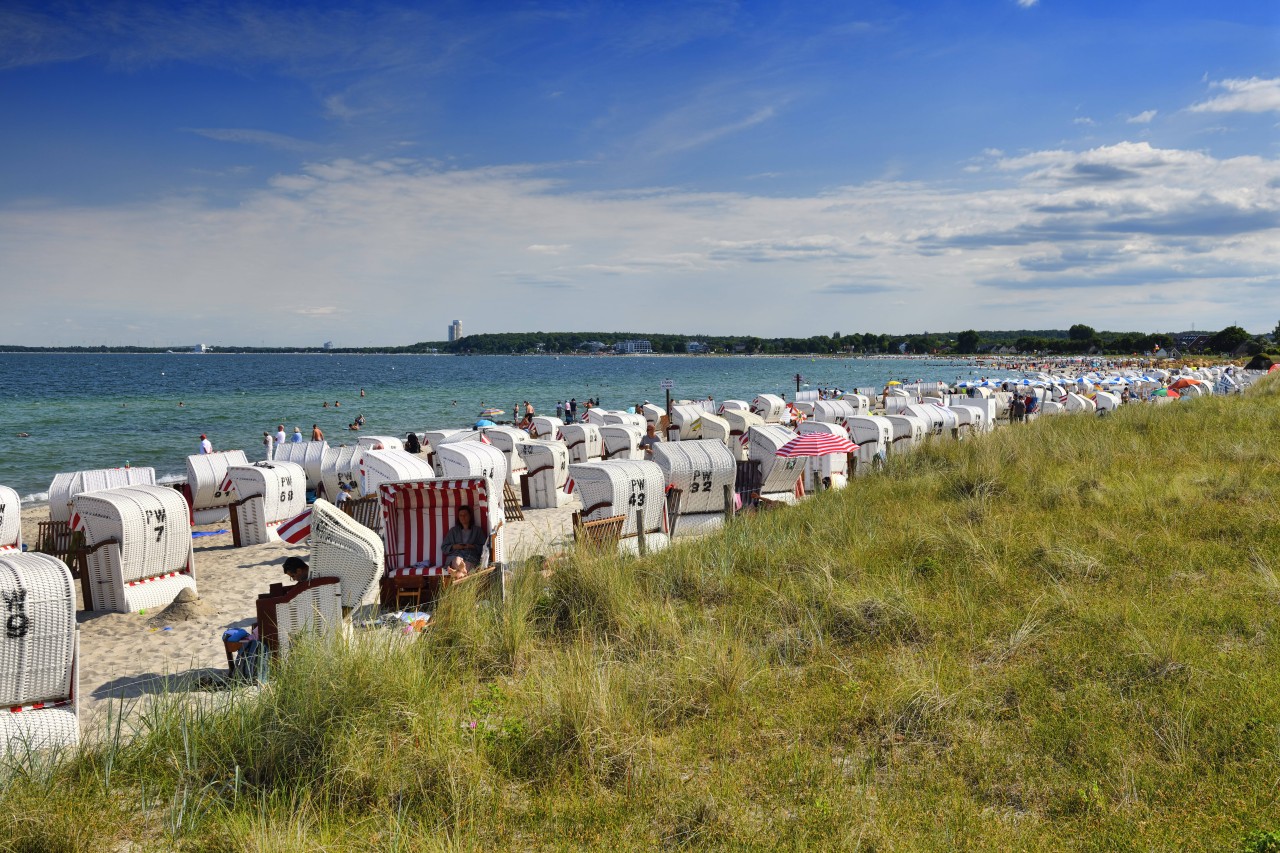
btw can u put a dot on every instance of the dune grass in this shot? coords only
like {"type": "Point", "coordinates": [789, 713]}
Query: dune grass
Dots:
{"type": "Point", "coordinates": [1060, 637]}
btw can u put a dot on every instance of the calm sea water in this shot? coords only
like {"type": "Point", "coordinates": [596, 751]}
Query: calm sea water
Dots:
{"type": "Point", "coordinates": [99, 411]}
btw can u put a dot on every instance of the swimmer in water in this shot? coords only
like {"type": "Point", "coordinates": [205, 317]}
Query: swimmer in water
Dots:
{"type": "Point", "coordinates": [24, 435]}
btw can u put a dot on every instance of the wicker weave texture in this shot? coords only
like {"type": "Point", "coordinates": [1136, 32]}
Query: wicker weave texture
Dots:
{"type": "Point", "coordinates": [65, 487]}
{"type": "Point", "coordinates": [47, 728]}
{"type": "Point", "coordinates": [341, 467]}
{"type": "Point", "coordinates": [472, 459]}
{"type": "Point", "coordinates": [776, 475]}
{"type": "Point", "coordinates": [344, 549]}
{"type": "Point", "coordinates": [621, 441]}
{"type": "Point", "coordinates": [309, 454]}
{"type": "Point", "coordinates": [314, 611]}
{"type": "Point", "coordinates": [620, 488]}
{"type": "Point", "coordinates": [37, 643]}
{"type": "Point", "coordinates": [206, 472]}
{"type": "Point", "coordinates": [652, 414]}
{"type": "Point", "coordinates": [10, 519]}
{"type": "Point", "coordinates": [908, 431]}
{"type": "Point", "coordinates": [152, 562]}
{"type": "Point", "coordinates": [583, 441]}
{"type": "Point", "coordinates": [701, 470]}
{"type": "Point", "coordinates": [833, 411]}
{"type": "Point", "coordinates": [275, 492]}
{"type": "Point", "coordinates": [389, 466]}
{"type": "Point", "coordinates": [548, 464]}
{"type": "Point", "coordinates": [625, 418]}
{"type": "Point", "coordinates": [874, 437]}
{"type": "Point", "coordinates": [861, 403]}
{"type": "Point", "coordinates": [544, 427]}
{"type": "Point", "coordinates": [698, 524]}
{"type": "Point", "coordinates": [507, 439]}
{"type": "Point", "coordinates": [769, 407]}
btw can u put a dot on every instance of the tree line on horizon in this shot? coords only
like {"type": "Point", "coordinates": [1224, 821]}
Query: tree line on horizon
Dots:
{"type": "Point", "coordinates": [1079, 339]}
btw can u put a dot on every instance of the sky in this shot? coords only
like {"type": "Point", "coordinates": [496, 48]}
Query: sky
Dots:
{"type": "Point", "coordinates": [293, 173]}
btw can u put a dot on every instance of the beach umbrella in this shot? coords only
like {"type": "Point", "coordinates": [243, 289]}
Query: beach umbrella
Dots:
{"type": "Point", "coordinates": [484, 422]}
{"type": "Point", "coordinates": [1171, 394]}
{"type": "Point", "coordinates": [816, 444]}
{"type": "Point", "coordinates": [492, 413]}
{"type": "Point", "coordinates": [1183, 383]}
{"type": "Point", "coordinates": [893, 382]}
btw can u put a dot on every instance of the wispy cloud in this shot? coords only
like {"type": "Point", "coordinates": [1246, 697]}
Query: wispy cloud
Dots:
{"type": "Point", "coordinates": [317, 311]}
{"type": "Point", "coordinates": [545, 249]}
{"type": "Point", "coordinates": [1255, 95]}
{"type": "Point", "coordinates": [1143, 117]}
{"type": "Point", "coordinates": [1027, 4]}
{"type": "Point", "coordinates": [249, 136]}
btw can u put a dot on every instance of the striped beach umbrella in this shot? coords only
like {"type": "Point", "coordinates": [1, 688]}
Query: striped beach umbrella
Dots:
{"type": "Point", "coordinates": [816, 444]}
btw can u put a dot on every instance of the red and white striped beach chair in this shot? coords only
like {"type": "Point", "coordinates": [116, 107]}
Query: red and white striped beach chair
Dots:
{"type": "Point", "coordinates": [415, 518]}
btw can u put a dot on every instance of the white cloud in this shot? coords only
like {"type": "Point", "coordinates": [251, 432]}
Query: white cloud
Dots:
{"type": "Point", "coordinates": [1143, 117]}
{"type": "Point", "coordinates": [1027, 4]}
{"type": "Point", "coordinates": [1254, 95]}
{"type": "Point", "coordinates": [1084, 120]}
{"type": "Point", "coordinates": [325, 251]}
{"type": "Point", "coordinates": [249, 136]}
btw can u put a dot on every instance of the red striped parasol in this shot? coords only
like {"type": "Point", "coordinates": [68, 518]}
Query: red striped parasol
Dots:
{"type": "Point", "coordinates": [816, 444]}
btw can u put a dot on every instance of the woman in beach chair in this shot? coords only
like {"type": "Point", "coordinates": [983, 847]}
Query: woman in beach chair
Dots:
{"type": "Point", "coordinates": [463, 544]}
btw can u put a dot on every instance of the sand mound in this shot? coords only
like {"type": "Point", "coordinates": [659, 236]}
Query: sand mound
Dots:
{"type": "Point", "coordinates": [187, 607]}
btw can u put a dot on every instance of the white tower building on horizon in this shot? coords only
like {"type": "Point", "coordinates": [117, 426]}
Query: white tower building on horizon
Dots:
{"type": "Point", "coordinates": [455, 330]}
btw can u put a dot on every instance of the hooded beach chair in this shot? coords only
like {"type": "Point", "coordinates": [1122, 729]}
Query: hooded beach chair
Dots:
{"type": "Point", "coordinates": [310, 455]}
{"type": "Point", "coordinates": [545, 427]}
{"type": "Point", "coordinates": [874, 436]}
{"type": "Point", "coordinates": [386, 466]}
{"type": "Point", "coordinates": [831, 469]}
{"type": "Point", "coordinates": [341, 467]}
{"type": "Point", "coordinates": [206, 476]}
{"type": "Point", "coordinates": [137, 547]}
{"type": "Point", "coordinates": [583, 441]}
{"type": "Point", "coordinates": [508, 440]}
{"type": "Point", "coordinates": [545, 484]}
{"type": "Point", "coordinates": [380, 442]}
{"type": "Point", "coordinates": [703, 474]}
{"type": "Point", "coordinates": [621, 441]}
{"type": "Point", "coordinates": [739, 421]}
{"type": "Point", "coordinates": [10, 520]}
{"type": "Point", "coordinates": [286, 613]}
{"type": "Point", "coordinates": [634, 489]}
{"type": "Point", "coordinates": [769, 407]}
{"type": "Point", "coordinates": [266, 494]}
{"type": "Point", "coordinates": [781, 480]}
{"type": "Point", "coordinates": [343, 548]}
{"type": "Point", "coordinates": [467, 459]}
{"type": "Point", "coordinates": [39, 705]}
{"type": "Point", "coordinates": [66, 486]}
{"type": "Point", "coordinates": [416, 516]}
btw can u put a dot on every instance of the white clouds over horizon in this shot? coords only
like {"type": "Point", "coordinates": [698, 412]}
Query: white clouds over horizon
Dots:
{"type": "Point", "coordinates": [342, 247]}
{"type": "Point", "coordinates": [1254, 95]}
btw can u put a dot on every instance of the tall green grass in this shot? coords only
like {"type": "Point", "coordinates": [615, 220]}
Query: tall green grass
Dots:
{"type": "Point", "coordinates": [1061, 636]}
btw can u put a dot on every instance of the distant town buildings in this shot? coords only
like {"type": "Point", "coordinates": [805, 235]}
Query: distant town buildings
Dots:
{"type": "Point", "coordinates": [328, 344]}
{"type": "Point", "coordinates": [593, 346]}
{"type": "Point", "coordinates": [455, 331]}
{"type": "Point", "coordinates": [639, 347]}
{"type": "Point", "coordinates": [199, 348]}
{"type": "Point", "coordinates": [695, 347]}
{"type": "Point", "coordinates": [1193, 341]}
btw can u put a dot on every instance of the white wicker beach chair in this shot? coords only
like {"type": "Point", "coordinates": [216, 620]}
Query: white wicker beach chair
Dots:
{"type": "Point", "coordinates": [138, 542]}
{"type": "Point", "coordinates": [310, 455]}
{"type": "Point", "coordinates": [833, 411]}
{"type": "Point", "coordinates": [39, 705]}
{"type": "Point", "coordinates": [266, 493]}
{"type": "Point", "coordinates": [469, 459]}
{"type": "Point", "coordinates": [861, 403]}
{"type": "Point", "coordinates": [545, 428]}
{"type": "Point", "coordinates": [583, 441]}
{"type": "Point", "coordinates": [507, 440]}
{"type": "Point", "coordinates": [416, 517]}
{"type": "Point", "coordinates": [286, 613]}
{"type": "Point", "coordinates": [769, 407]}
{"type": "Point", "coordinates": [66, 486]}
{"type": "Point", "coordinates": [380, 442]}
{"type": "Point", "coordinates": [653, 414]}
{"type": "Point", "coordinates": [621, 441]}
{"type": "Point", "coordinates": [739, 421]}
{"type": "Point", "coordinates": [705, 473]}
{"type": "Point", "coordinates": [386, 466]}
{"type": "Point", "coordinates": [780, 479]}
{"type": "Point", "coordinates": [625, 418]}
{"type": "Point", "coordinates": [625, 488]}
{"type": "Point", "coordinates": [344, 549]}
{"type": "Point", "coordinates": [10, 520]}
{"type": "Point", "coordinates": [739, 405]}
{"type": "Point", "coordinates": [206, 475]}
{"type": "Point", "coordinates": [544, 484]}
{"type": "Point", "coordinates": [908, 432]}
{"type": "Point", "coordinates": [874, 437]}
{"type": "Point", "coordinates": [341, 467]}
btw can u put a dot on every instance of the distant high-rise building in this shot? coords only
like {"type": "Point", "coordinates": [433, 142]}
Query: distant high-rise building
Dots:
{"type": "Point", "coordinates": [328, 344]}
{"type": "Point", "coordinates": [455, 331]}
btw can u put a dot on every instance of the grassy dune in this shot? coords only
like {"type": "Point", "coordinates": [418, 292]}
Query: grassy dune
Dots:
{"type": "Point", "coordinates": [1061, 637]}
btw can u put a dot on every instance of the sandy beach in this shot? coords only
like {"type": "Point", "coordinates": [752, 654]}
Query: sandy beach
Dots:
{"type": "Point", "coordinates": [125, 657]}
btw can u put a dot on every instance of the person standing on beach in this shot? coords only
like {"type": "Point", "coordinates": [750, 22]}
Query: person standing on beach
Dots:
{"type": "Point", "coordinates": [296, 438]}
{"type": "Point", "coordinates": [270, 444]}
{"type": "Point", "coordinates": [280, 439]}
{"type": "Point", "coordinates": [528, 410]}
{"type": "Point", "coordinates": [573, 409]}
{"type": "Point", "coordinates": [205, 445]}
{"type": "Point", "coordinates": [560, 410]}
{"type": "Point", "coordinates": [316, 433]}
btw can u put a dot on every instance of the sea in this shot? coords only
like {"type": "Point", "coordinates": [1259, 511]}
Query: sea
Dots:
{"type": "Point", "coordinates": [84, 411]}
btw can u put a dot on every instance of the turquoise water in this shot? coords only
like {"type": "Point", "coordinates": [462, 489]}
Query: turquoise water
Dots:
{"type": "Point", "coordinates": [99, 411]}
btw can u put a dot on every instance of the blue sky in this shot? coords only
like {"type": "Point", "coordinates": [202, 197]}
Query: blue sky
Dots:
{"type": "Point", "coordinates": [249, 173]}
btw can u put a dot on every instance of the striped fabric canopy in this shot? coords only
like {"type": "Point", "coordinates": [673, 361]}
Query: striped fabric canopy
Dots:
{"type": "Point", "coordinates": [816, 444]}
{"type": "Point", "coordinates": [417, 515]}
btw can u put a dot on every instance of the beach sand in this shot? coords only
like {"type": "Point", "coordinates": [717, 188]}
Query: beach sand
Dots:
{"type": "Point", "coordinates": [126, 657]}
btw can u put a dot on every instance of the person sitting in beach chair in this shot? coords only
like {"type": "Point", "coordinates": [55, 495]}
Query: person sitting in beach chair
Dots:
{"type": "Point", "coordinates": [250, 662]}
{"type": "Point", "coordinates": [460, 552]}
